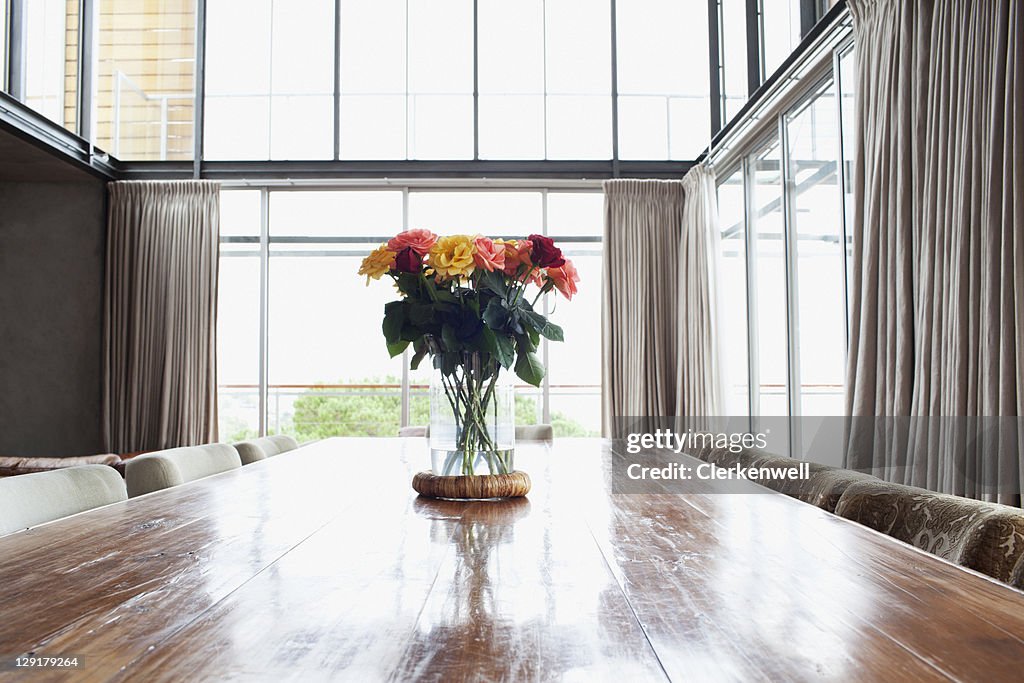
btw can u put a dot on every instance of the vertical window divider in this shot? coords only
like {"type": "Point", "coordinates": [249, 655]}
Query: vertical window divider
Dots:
{"type": "Point", "coordinates": [337, 79]}
{"type": "Point", "coordinates": [87, 33]}
{"type": "Point", "coordinates": [264, 305]}
{"type": "Point", "coordinates": [615, 93]}
{"type": "Point", "coordinates": [476, 81]}
{"type": "Point", "coordinates": [199, 88]}
{"type": "Point", "coordinates": [16, 46]}
{"type": "Point", "coordinates": [754, 58]}
{"type": "Point", "coordinates": [716, 70]}
{"type": "Point", "coordinates": [546, 383]}
{"type": "Point", "coordinates": [405, 391]}
{"type": "Point", "coordinates": [749, 224]}
{"type": "Point", "coordinates": [792, 287]}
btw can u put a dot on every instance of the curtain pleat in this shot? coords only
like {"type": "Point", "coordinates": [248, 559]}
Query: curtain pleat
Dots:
{"type": "Point", "coordinates": [937, 320]}
{"type": "Point", "coordinates": [160, 315]}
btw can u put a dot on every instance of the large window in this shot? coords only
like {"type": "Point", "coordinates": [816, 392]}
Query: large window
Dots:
{"type": "Point", "coordinates": [50, 78]}
{"type": "Point", "coordinates": [144, 99]}
{"type": "Point", "coordinates": [269, 79]}
{"type": "Point", "coordinates": [783, 208]}
{"type": "Point", "coordinates": [780, 32]}
{"type": "Point", "coordinates": [662, 51]}
{"type": "Point", "coordinates": [323, 377]}
{"type": "Point", "coordinates": [733, 55]}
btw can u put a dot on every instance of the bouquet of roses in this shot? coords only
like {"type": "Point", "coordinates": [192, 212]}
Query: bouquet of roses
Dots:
{"type": "Point", "coordinates": [470, 294]}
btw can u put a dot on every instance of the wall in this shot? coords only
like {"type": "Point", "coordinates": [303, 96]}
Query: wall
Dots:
{"type": "Point", "coordinates": [52, 239]}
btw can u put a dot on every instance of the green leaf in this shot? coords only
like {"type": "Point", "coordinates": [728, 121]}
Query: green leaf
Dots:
{"type": "Point", "coordinates": [417, 358]}
{"type": "Point", "coordinates": [494, 281]}
{"type": "Point", "coordinates": [451, 342]}
{"type": "Point", "coordinates": [421, 313]}
{"type": "Point", "coordinates": [394, 319]}
{"type": "Point", "coordinates": [397, 348]}
{"type": "Point", "coordinates": [505, 352]}
{"type": "Point", "coordinates": [496, 315]}
{"type": "Point", "coordinates": [543, 326]}
{"type": "Point", "coordinates": [529, 368]}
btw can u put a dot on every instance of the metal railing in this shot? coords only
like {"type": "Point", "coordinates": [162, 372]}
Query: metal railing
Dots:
{"type": "Point", "coordinates": [121, 82]}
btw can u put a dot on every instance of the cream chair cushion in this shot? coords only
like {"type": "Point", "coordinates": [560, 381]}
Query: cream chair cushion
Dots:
{"type": "Point", "coordinates": [164, 469]}
{"type": "Point", "coordinates": [31, 499]}
{"type": "Point", "coordinates": [538, 432]}
{"type": "Point", "coordinates": [255, 450]}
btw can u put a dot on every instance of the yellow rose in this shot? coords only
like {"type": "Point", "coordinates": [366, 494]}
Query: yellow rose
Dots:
{"type": "Point", "coordinates": [380, 261]}
{"type": "Point", "coordinates": [452, 256]}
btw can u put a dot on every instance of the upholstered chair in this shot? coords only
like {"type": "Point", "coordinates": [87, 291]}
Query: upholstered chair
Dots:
{"type": "Point", "coordinates": [13, 466]}
{"type": "Point", "coordinates": [827, 485]}
{"type": "Point", "coordinates": [995, 545]}
{"type": "Point", "coordinates": [1017, 575]}
{"type": "Point", "coordinates": [413, 431]}
{"type": "Point", "coordinates": [538, 432]}
{"type": "Point", "coordinates": [255, 450]}
{"type": "Point", "coordinates": [31, 499]}
{"type": "Point", "coordinates": [937, 523]}
{"type": "Point", "coordinates": [164, 469]}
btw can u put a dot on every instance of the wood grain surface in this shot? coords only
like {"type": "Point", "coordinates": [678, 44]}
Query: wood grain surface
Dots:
{"type": "Point", "coordinates": [283, 570]}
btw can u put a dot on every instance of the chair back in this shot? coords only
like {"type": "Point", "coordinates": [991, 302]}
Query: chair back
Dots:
{"type": "Point", "coordinates": [538, 432]}
{"type": "Point", "coordinates": [255, 450]}
{"type": "Point", "coordinates": [32, 499]}
{"type": "Point", "coordinates": [175, 466]}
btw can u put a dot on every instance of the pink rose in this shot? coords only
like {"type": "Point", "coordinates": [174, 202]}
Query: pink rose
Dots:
{"type": "Point", "coordinates": [565, 278]}
{"type": "Point", "coordinates": [489, 256]}
{"type": "Point", "coordinates": [419, 240]}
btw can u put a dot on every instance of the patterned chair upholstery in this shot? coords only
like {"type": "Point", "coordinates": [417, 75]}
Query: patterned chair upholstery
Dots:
{"type": "Point", "coordinates": [827, 485]}
{"type": "Point", "coordinates": [40, 497]}
{"type": "Point", "coordinates": [996, 544]}
{"type": "Point", "coordinates": [937, 523]}
{"type": "Point", "coordinates": [12, 465]}
{"type": "Point", "coordinates": [164, 469]}
{"type": "Point", "coordinates": [260, 449]}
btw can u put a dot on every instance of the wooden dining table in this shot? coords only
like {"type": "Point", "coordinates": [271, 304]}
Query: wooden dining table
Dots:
{"type": "Point", "coordinates": [322, 564]}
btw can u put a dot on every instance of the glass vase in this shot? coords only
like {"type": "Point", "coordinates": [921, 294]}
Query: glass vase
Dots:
{"type": "Point", "coordinates": [472, 415]}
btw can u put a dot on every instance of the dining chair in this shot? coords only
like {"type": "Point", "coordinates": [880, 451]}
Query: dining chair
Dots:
{"type": "Point", "coordinates": [537, 432]}
{"type": "Point", "coordinates": [31, 499]}
{"type": "Point", "coordinates": [995, 546]}
{"type": "Point", "coordinates": [175, 466]}
{"type": "Point", "coordinates": [255, 450]}
{"type": "Point", "coordinates": [938, 523]}
{"type": "Point", "coordinates": [413, 431]}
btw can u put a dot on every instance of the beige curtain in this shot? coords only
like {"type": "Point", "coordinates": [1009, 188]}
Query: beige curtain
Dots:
{"type": "Point", "coordinates": [659, 330]}
{"type": "Point", "coordinates": [698, 381]}
{"type": "Point", "coordinates": [642, 229]}
{"type": "Point", "coordinates": [937, 325]}
{"type": "Point", "coordinates": [160, 315]}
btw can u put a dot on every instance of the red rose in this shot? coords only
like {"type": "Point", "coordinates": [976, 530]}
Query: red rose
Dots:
{"type": "Point", "coordinates": [544, 253]}
{"type": "Point", "coordinates": [408, 261]}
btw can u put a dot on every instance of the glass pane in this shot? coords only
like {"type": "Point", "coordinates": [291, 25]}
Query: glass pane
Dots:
{"type": "Point", "coordinates": [769, 289]}
{"type": "Point", "coordinates": [372, 127]}
{"type": "Point", "coordinates": [575, 214]}
{"type": "Point", "coordinates": [780, 31]}
{"type": "Point", "coordinates": [575, 365]}
{"type": "Point", "coordinates": [819, 279]}
{"type": "Point", "coordinates": [324, 213]}
{"type": "Point", "coordinates": [240, 213]}
{"type": "Point", "coordinates": [643, 127]}
{"type": "Point", "coordinates": [733, 15]}
{"type": "Point", "coordinates": [495, 214]}
{"type": "Point", "coordinates": [301, 127]}
{"type": "Point", "coordinates": [732, 295]}
{"type": "Point", "coordinates": [323, 379]}
{"type": "Point", "coordinates": [144, 104]}
{"type": "Point", "coordinates": [663, 54]}
{"type": "Point", "coordinates": [579, 127]}
{"type": "Point", "coordinates": [440, 126]}
{"type": "Point", "coordinates": [51, 59]}
{"type": "Point", "coordinates": [269, 61]}
{"type": "Point", "coordinates": [236, 128]}
{"type": "Point", "coordinates": [511, 127]}
{"type": "Point", "coordinates": [440, 79]}
{"type": "Point", "coordinates": [238, 347]}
